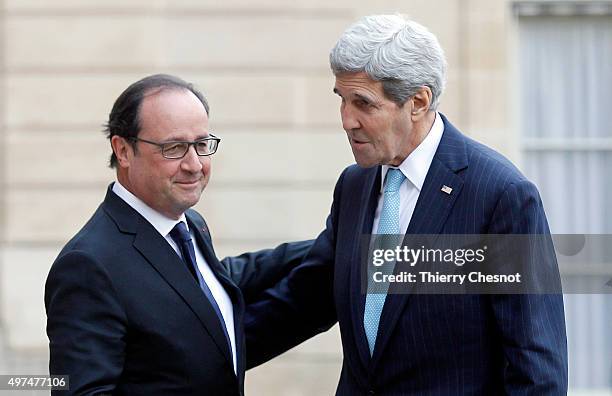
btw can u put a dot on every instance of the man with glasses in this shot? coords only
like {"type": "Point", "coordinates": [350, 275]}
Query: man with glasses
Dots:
{"type": "Point", "coordinates": [137, 302]}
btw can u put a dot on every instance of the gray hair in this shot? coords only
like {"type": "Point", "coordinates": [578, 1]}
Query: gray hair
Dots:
{"type": "Point", "coordinates": [400, 53]}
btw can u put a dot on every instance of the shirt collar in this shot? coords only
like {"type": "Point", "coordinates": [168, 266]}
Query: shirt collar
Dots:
{"type": "Point", "coordinates": [161, 223]}
{"type": "Point", "coordinates": [416, 165]}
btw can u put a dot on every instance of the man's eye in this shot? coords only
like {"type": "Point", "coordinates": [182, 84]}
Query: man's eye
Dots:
{"type": "Point", "coordinates": [174, 148]}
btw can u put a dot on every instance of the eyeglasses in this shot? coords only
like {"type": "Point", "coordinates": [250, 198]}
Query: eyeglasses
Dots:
{"type": "Point", "coordinates": [178, 149]}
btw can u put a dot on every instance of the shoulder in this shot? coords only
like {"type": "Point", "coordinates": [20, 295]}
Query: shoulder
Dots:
{"type": "Point", "coordinates": [489, 167]}
{"type": "Point", "coordinates": [98, 245]}
{"type": "Point", "coordinates": [353, 176]}
{"type": "Point", "coordinates": [82, 269]}
{"type": "Point", "coordinates": [94, 236]}
{"type": "Point", "coordinates": [488, 172]}
{"type": "Point", "coordinates": [485, 159]}
{"type": "Point", "coordinates": [475, 161]}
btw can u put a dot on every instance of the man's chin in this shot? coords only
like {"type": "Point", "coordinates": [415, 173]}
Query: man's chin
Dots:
{"type": "Point", "coordinates": [186, 200]}
{"type": "Point", "coordinates": [191, 199]}
{"type": "Point", "coordinates": [363, 158]}
{"type": "Point", "coordinates": [366, 162]}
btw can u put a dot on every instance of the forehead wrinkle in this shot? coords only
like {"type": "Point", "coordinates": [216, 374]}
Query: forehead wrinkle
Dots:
{"type": "Point", "coordinates": [360, 87]}
{"type": "Point", "coordinates": [358, 91]}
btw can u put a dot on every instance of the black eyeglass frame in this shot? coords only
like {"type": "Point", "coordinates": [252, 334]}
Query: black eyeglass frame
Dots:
{"type": "Point", "coordinates": [163, 145]}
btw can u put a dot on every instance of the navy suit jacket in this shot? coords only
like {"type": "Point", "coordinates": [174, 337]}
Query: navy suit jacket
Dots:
{"type": "Point", "coordinates": [126, 317]}
{"type": "Point", "coordinates": [469, 344]}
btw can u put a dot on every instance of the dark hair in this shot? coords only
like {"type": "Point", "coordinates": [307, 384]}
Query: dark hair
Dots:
{"type": "Point", "coordinates": [124, 119]}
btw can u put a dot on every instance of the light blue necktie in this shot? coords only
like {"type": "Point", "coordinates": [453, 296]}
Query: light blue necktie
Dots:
{"type": "Point", "coordinates": [387, 224]}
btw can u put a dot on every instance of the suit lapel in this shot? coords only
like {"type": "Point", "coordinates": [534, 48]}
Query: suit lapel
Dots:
{"type": "Point", "coordinates": [200, 230]}
{"type": "Point", "coordinates": [156, 250]}
{"type": "Point", "coordinates": [368, 199]}
{"type": "Point", "coordinates": [203, 240]}
{"type": "Point", "coordinates": [431, 212]}
{"type": "Point", "coordinates": [168, 264]}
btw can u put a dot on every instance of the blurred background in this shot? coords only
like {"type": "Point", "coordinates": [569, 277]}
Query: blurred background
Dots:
{"type": "Point", "coordinates": [531, 79]}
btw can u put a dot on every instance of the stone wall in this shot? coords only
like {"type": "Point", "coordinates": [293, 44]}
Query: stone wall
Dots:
{"type": "Point", "coordinates": [263, 66]}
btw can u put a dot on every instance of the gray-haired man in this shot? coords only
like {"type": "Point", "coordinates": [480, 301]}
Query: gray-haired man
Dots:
{"type": "Point", "coordinates": [415, 174]}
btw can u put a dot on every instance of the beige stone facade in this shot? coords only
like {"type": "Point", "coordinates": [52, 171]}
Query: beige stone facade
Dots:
{"type": "Point", "coordinates": [263, 66]}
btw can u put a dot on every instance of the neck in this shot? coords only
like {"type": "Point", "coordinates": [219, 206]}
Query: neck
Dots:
{"type": "Point", "coordinates": [124, 181]}
{"type": "Point", "coordinates": [422, 128]}
{"type": "Point", "coordinates": [420, 132]}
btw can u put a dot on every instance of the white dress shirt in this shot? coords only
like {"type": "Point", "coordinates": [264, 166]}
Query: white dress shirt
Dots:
{"type": "Point", "coordinates": [415, 168]}
{"type": "Point", "coordinates": [164, 225]}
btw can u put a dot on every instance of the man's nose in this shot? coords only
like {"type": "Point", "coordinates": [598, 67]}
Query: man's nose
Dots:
{"type": "Point", "coordinates": [191, 161]}
{"type": "Point", "coordinates": [349, 121]}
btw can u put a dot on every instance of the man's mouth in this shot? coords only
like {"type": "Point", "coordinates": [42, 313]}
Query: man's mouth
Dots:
{"type": "Point", "coordinates": [188, 183]}
{"type": "Point", "coordinates": [358, 142]}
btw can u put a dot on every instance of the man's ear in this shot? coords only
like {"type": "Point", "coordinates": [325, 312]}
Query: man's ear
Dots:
{"type": "Point", "coordinates": [123, 151]}
{"type": "Point", "coordinates": [421, 101]}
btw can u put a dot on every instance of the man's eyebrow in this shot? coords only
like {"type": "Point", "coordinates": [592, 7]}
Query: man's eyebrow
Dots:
{"type": "Point", "coordinates": [364, 98]}
{"type": "Point", "coordinates": [172, 139]}
{"type": "Point", "coordinates": [357, 95]}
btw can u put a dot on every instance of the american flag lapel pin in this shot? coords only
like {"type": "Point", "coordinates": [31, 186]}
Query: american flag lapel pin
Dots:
{"type": "Point", "coordinates": [446, 189]}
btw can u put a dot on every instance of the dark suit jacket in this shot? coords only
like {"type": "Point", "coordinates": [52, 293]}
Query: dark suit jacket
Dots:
{"type": "Point", "coordinates": [469, 344]}
{"type": "Point", "coordinates": [126, 317]}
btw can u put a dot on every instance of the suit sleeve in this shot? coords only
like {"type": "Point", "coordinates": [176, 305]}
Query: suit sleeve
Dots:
{"type": "Point", "coordinates": [86, 325]}
{"type": "Point", "coordinates": [532, 326]}
{"type": "Point", "coordinates": [296, 309]}
{"type": "Point", "coordinates": [301, 305]}
{"type": "Point", "coordinates": [255, 272]}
